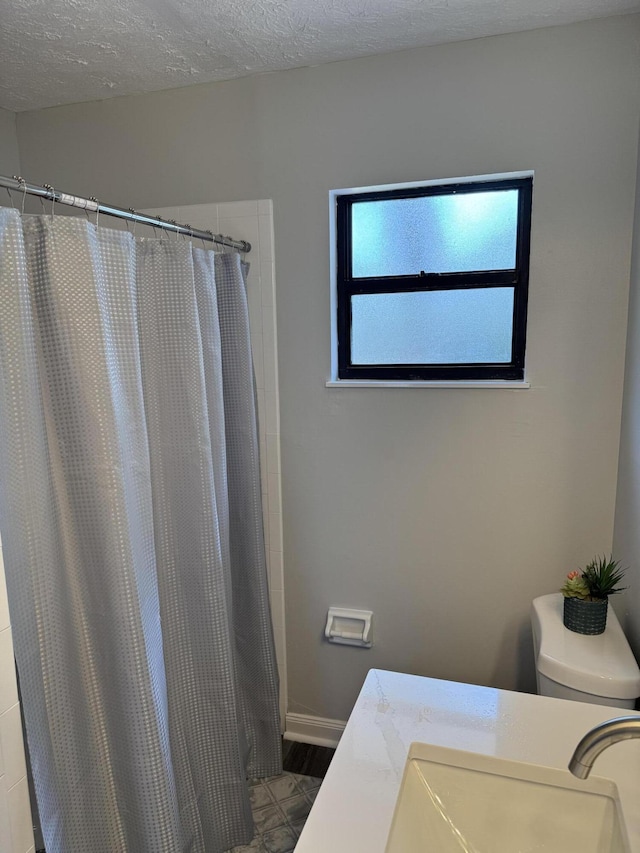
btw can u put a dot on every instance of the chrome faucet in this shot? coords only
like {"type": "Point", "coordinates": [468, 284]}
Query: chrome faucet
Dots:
{"type": "Point", "coordinates": [598, 739]}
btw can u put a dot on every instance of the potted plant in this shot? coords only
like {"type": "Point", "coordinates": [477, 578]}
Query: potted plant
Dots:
{"type": "Point", "coordinates": [586, 595]}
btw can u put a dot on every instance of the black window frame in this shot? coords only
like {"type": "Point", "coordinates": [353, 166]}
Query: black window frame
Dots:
{"type": "Point", "coordinates": [517, 278]}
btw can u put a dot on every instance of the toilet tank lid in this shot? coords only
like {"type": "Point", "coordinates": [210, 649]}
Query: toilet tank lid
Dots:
{"type": "Point", "coordinates": [602, 665]}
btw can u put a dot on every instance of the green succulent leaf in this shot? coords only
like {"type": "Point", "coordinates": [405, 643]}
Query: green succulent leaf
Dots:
{"type": "Point", "coordinates": [602, 576]}
{"type": "Point", "coordinates": [575, 588]}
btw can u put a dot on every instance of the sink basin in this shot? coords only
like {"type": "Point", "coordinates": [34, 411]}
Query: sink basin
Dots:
{"type": "Point", "coordinates": [461, 802]}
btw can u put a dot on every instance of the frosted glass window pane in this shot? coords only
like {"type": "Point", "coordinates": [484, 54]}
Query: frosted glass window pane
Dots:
{"type": "Point", "coordinates": [434, 234]}
{"type": "Point", "coordinates": [434, 327]}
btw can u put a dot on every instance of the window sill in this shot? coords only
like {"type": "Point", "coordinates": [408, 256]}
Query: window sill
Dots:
{"type": "Point", "coordinates": [512, 384]}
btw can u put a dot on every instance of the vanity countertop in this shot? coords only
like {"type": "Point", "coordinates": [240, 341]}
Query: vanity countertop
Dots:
{"type": "Point", "coordinates": [353, 811]}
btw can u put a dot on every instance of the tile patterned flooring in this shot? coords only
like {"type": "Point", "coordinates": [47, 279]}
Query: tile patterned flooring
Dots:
{"type": "Point", "coordinates": [280, 807]}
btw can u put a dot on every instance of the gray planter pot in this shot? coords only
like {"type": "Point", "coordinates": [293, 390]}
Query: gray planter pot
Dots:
{"type": "Point", "coordinates": [585, 617]}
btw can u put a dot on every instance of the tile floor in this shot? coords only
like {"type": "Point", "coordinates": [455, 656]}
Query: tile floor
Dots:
{"type": "Point", "coordinates": [280, 806]}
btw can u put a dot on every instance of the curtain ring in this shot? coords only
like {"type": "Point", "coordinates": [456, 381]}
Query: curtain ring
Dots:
{"type": "Point", "coordinates": [22, 181]}
{"type": "Point", "coordinates": [53, 196]}
{"type": "Point", "coordinates": [131, 210]}
{"type": "Point", "coordinates": [93, 198]}
{"type": "Point", "coordinates": [10, 198]}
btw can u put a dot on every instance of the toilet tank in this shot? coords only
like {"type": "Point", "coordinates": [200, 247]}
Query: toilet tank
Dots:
{"type": "Point", "coordinates": [600, 669]}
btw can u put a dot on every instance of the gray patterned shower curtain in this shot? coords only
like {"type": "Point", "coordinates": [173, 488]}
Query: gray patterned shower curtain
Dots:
{"type": "Point", "coordinates": [130, 511]}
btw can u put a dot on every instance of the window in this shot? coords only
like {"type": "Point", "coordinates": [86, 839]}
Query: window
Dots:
{"type": "Point", "coordinates": [431, 280]}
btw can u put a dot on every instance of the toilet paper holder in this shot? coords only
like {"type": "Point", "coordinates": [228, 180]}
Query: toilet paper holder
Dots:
{"type": "Point", "coordinates": [349, 627]}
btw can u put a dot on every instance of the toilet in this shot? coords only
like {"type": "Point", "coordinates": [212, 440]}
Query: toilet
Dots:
{"type": "Point", "coordinates": [598, 669]}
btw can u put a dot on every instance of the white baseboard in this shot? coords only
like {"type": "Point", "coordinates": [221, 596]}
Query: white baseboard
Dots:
{"type": "Point", "coordinates": [315, 730]}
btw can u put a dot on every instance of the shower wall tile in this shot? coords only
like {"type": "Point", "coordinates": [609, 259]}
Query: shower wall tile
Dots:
{"type": "Point", "coordinates": [272, 412]}
{"type": "Point", "coordinates": [264, 477]}
{"type": "Point", "coordinates": [253, 221]}
{"type": "Point", "coordinates": [277, 607]}
{"type": "Point", "coordinates": [268, 323]}
{"type": "Point", "coordinates": [273, 480]}
{"type": "Point", "coordinates": [16, 833]}
{"type": "Point", "coordinates": [262, 410]}
{"type": "Point", "coordinates": [262, 441]}
{"type": "Point", "coordinates": [5, 827]}
{"type": "Point", "coordinates": [254, 300]}
{"type": "Point", "coordinates": [277, 611]}
{"type": "Point", "coordinates": [275, 530]}
{"type": "Point", "coordinates": [4, 604]}
{"type": "Point", "coordinates": [258, 367]}
{"type": "Point", "coordinates": [255, 320]}
{"type": "Point", "coordinates": [270, 371]}
{"type": "Point", "coordinates": [13, 764]}
{"type": "Point", "coordinates": [268, 274]}
{"type": "Point", "coordinates": [258, 358]}
{"type": "Point", "coordinates": [265, 235]}
{"type": "Point", "coordinates": [247, 226]}
{"type": "Point", "coordinates": [20, 816]}
{"type": "Point", "coordinates": [270, 348]}
{"type": "Point", "coordinates": [8, 686]}
{"type": "Point", "coordinates": [200, 216]}
{"type": "Point", "coordinates": [277, 569]}
{"type": "Point", "coordinates": [273, 454]}
{"type": "Point", "coordinates": [230, 209]}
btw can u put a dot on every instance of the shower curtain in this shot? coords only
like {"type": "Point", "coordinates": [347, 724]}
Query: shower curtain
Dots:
{"type": "Point", "coordinates": [130, 511]}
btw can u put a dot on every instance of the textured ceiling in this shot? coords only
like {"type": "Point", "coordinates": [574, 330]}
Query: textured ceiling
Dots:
{"type": "Point", "coordinates": [62, 51]}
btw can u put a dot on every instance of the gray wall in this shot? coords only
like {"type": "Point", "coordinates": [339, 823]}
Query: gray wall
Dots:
{"type": "Point", "coordinates": [626, 542]}
{"type": "Point", "coordinates": [444, 511]}
{"type": "Point", "coordinates": [9, 159]}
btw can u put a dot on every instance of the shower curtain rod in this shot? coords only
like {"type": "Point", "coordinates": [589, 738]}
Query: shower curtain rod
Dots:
{"type": "Point", "coordinates": [92, 204]}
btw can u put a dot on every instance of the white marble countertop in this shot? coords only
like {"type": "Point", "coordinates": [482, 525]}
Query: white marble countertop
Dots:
{"type": "Point", "coordinates": [354, 808]}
